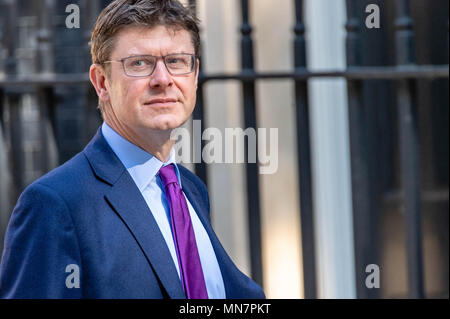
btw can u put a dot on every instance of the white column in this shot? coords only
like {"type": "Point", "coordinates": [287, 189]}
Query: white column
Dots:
{"type": "Point", "coordinates": [325, 21]}
{"type": "Point", "coordinates": [220, 21]}
{"type": "Point", "coordinates": [279, 194]}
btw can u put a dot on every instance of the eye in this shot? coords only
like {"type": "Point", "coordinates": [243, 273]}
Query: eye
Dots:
{"type": "Point", "coordinates": [174, 61]}
{"type": "Point", "coordinates": [177, 62]}
{"type": "Point", "coordinates": [139, 63]}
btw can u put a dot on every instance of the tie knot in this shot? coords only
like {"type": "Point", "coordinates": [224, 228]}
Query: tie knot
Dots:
{"type": "Point", "coordinates": [168, 175]}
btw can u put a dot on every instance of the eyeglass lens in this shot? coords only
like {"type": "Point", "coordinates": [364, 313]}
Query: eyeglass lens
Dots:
{"type": "Point", "coordinates": [145, 65]}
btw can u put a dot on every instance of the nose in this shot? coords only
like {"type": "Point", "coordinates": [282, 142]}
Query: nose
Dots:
{"type": "Point", "coordinates": [161, 77]}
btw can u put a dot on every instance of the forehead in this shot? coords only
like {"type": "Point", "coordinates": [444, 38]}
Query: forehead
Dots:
{"type": "Point", "coordinates": [159, 40]}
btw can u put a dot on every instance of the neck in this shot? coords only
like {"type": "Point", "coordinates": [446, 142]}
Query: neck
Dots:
{"type": "Point", "coordinates": [155, 142]}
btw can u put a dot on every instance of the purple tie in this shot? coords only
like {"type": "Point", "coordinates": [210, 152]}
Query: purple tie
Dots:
{"type": "Point", "coordinates": [188, 259]}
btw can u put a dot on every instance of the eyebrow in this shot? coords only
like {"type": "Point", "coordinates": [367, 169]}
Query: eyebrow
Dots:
{"type": "Point", "coordinates": [138, 55]}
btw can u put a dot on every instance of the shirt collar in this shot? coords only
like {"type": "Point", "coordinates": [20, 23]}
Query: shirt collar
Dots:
{"type": "Point", "coordinates": [141, 165]}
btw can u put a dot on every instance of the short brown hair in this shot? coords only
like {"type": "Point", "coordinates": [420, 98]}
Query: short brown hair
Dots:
{"type": "Point", "coordinates": [121, 14]}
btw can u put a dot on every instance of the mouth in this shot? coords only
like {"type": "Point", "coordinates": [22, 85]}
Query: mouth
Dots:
{"type": "Point", "coordinates": [165, 102]}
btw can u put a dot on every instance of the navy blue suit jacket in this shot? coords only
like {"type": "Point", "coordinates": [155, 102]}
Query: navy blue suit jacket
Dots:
{"type": "Point", "coordinates": [89, 213]}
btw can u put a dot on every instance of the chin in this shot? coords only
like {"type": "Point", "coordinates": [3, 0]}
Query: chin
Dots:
{"type": "Point", "coordinates": [164, 125]}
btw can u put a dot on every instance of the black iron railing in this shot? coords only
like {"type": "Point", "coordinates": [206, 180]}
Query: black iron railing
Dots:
{"type": "Point", "coordinates": [405, 73]}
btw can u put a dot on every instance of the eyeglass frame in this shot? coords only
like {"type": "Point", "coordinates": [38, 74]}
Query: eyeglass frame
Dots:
{"type": "Point", "coordinates": [163, 57]}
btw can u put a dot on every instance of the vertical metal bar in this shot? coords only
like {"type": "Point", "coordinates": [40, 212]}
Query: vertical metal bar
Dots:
{"type": "Point", "coordinates": [3, 49]}
{"type": "Point", "coordinates": [10, 32]}
{"type": "Point", "coordinates": [45, 45]}
{"type": "Point", "coordinates": [353, 42]}
{"type": "Point", "coordinates": [4, 175]}
{"type": "Point", "coordinates": [364, 225]}
{"type": "Point", "coordinates": [404, 34]}
{"type": "Point", "coordinates": [92, 9]}
{"type": "Point", "coordinates": [92, 114]}
{"type": "Point", "coordinates": [2, 38]}
{"type": "Point", "coordinates": [251, 168]}
{"type": "Point", "coordinates": [199, 114]}
{"type": "Point", "coordinates": [45, 94]}
{"type": "Point", "coordinates": [304, 159]}
{"type": "Point", "coordinates": [46, 102]}
{"type": "Point", "coordinates": [17, 161]}
{"type": "Point", "coordinates": [13, 101]}
{"type": "Point", "coordinates": [2, 111]}
{"type": "Point", "coordinates": [409, 151]}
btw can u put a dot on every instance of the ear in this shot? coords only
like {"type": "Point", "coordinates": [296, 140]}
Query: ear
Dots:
{"type": "Point", "coordinates": [97, 75]}
{"type": "Point", "coordinates": [197, 68]}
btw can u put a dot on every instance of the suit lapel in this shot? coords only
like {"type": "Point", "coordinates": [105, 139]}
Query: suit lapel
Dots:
{"type": "Point", "coordinates": [128, 203]}
{"type": "Point", "coordinates": [132, 208]}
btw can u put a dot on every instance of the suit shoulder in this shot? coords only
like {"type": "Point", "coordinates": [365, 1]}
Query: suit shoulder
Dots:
{"type": "Point", "coordinates": [69, 175]}
{"type": "Point", "coordinates": [40, 239]}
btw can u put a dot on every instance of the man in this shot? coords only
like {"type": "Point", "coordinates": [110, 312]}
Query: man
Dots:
{"type": "Point", "coordinates": [121, 219]}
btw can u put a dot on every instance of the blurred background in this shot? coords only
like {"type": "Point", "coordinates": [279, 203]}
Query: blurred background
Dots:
{"type": "Point", "coordinates": [363, 129]}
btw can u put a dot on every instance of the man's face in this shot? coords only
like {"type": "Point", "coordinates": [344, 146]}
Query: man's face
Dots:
{"type": "Point", "coordinates": [160, 101]}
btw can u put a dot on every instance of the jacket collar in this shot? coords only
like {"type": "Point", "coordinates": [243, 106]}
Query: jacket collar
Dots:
{"type": "Point", "coordinates": [141, 165]}
{"type": "Point", "coordinates": [105, 164]}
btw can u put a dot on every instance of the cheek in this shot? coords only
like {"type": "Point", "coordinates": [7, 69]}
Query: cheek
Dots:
{"type": "Point", "coordinates": [127, 95]}
{"type": "Point", "coordinates": [117, 93]}
{"type": "Point", "coordinates": [189, 93]}
{"type": "Point", "coordinates": [193, 98]}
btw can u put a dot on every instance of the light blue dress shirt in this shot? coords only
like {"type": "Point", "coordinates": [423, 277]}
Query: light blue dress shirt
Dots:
{"type": "Point", "coordinates": [143, 168]}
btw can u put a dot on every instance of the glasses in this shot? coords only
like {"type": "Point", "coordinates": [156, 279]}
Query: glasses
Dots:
{"type": "Point", "coordinates": [145, 65]}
